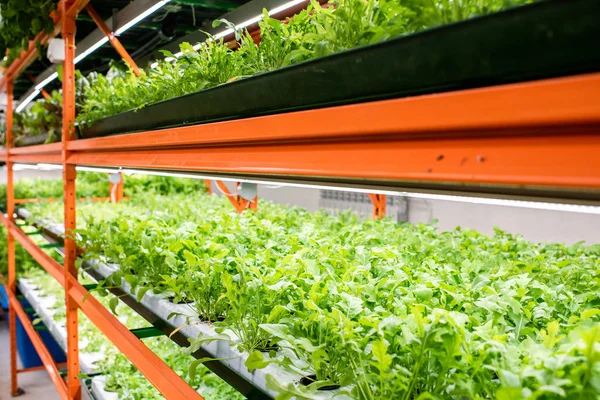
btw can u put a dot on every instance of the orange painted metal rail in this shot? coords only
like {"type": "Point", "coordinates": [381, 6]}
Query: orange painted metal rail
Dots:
{"type": "Point", "coordinates": [541, 134]}
{"type": "Point", "coordinates": [42, 90]}
{"type": "Point", "coordinates": [50, 148]}
{"type": "Point", "coordinates": [379, 205]}
{"type": "Point", "coordinates": [569, 160]}
{"type": "Point", "coordinates": [40, 367]}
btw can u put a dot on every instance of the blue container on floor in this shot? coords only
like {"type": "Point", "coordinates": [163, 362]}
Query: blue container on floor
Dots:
{"type": "Point", "coordinates": [27, 352]}
{"type": "Point", "coordinates": [3, 298]}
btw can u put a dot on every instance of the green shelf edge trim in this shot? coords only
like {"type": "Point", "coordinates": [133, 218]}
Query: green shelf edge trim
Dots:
{"type": "Point", "coordinates": [142, 333]}
{"type": "Point", "coordinates": [50, 245]}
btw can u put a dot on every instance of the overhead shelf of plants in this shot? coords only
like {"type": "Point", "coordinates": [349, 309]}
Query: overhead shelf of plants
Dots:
{"type": "Point", "coordinates": [488, 98]}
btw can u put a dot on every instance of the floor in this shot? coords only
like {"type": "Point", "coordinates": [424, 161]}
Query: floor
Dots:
{"type": "Point", "coordinates": [37, 384]}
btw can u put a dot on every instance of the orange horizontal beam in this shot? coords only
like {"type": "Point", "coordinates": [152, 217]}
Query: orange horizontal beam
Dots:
{"type": "Point", "coordinates": [39, 346]}
{"type": "Point", "coordinates": [546, 103]}
{"type": "Point", "coordinates": [156, 371]}
{"type": "Point", "coordinates": [566, 160]}
{"type": "Point", "coordinates": [40, 367]}
{"type": "Point", "coordinates": [47, 262]}
{"type": "Point", "coordinates": [46, 158]}
{"type": "Point", "coordinates": [37, 149]}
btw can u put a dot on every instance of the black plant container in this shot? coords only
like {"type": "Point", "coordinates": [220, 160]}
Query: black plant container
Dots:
{"type": "Point", "coordinates": [547, 39]}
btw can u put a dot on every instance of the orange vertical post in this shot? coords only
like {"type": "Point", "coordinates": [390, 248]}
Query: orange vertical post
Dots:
{"type": "Point", "coordinates": [207, 183]}
{"type": "Point", "coordinates": [69, 176]}
{"type": "Point", "coordinates": [10, 210]}
{"type": "Point", "coordinates": [379, 205]}
{"type": "Point", "coordinates": [116, 44]}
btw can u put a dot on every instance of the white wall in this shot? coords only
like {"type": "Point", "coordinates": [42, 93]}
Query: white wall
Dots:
{"type": "Point", "coordinates": [54, 174]}
{"type": "Point", "coordinates": [534, 225]}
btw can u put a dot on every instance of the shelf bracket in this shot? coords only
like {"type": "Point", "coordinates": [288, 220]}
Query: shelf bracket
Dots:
{"type": "Point", "coordinates": [116, 187]}
{"type": "Point", "coordinates": [50, 245]}
{"type": "Point", "coordinates": [244, 198]}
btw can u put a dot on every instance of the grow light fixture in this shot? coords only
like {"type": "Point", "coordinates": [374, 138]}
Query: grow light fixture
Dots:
{"type": "Point", "coordinates": [46, 81]}
{"type": "Point", "coordinates": [240, 26]}
{"type": "Point", "coordinates": [36, 91]}
{"type": "Point", "coordinates": [141, 16]}
{"type": "Point", "coordinates": [91, 49]}
{"type": "Point", "coordinates": [29, 98]}
{"type": "Point", "coordinates": [574, 208]}
{"type": "Point", "coordinates": [429, 196]}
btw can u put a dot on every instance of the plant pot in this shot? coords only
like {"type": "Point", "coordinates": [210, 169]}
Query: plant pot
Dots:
{"type": "Point", "coordinates": [542, 40]}
{"type": "Point", "coordinates": [31, 140]}
{"type": "Point", "coordinates": [27, 353]}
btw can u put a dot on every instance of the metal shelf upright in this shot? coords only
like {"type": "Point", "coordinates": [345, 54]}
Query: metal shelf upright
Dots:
{"type": "Point", "coordinates": [158, 373]}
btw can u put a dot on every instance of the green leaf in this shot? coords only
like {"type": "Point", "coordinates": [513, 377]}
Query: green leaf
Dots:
{"type": "Point", "coordinates": [193, 366]}
{"type": "Point", "coordinates": [508, 393]}
{"type": "Point", "coordinates": [551, 335]}
{"type": "Point", "coordinates": [113, 303]}
{"type": "Point", "coordinates": [256, 360]}
{"type": "Point", "coordinates": [289, 391]}
{"type": "Point", "coordinates": [380, 353]}
{"type": "Point", "coordinates": [140, 294]}
{"type": "Point", "coordinates": [589, 313]}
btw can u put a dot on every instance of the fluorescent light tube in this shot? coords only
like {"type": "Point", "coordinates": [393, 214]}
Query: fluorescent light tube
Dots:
{"type": "Point", "coordinates": [28, 100]}
{"type": "Point", "coordinates": [46, 81]}
{"type": "Point", "coordinates": [428, 196]}
{"type": "Point", "coordinates": [141, 17]}
{"type": "Point", "coordinates": [285, 6]}
{"type": "Point", "coordinates": [90, 49]}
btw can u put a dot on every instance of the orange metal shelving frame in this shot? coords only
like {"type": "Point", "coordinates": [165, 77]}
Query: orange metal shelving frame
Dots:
{"type": "Point", "coordinates": [158, 373]}
{"type": "Point", "coordinates": [542, 134]}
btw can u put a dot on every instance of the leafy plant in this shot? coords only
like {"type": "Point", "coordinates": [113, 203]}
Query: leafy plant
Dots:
{"type": "Point", "coordinates": [315, 32]}
{"type": "Point", "coordinates": [384, 310]}
{"type": "Point", "coordinates": [20, 22]}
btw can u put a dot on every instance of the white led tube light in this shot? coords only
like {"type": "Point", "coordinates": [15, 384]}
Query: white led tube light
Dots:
{"type": "Point", "coordinates": [141, 17]}
{"type": "Point", "coordinates": [28, 100]}
{"type": "Point", "coordinates": [428, 196]}
{"type": "Point", "coordinates": [91, 49]}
